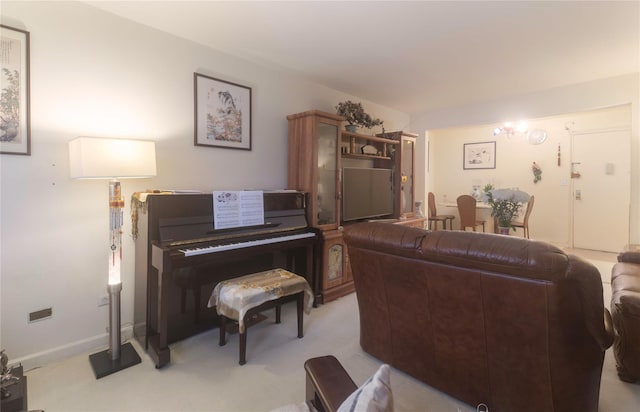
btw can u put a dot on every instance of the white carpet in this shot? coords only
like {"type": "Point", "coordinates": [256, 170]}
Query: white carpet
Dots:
{"type": "Point", "coordinates": [203, 376]}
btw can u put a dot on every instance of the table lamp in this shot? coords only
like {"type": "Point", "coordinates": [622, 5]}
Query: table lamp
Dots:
{"type": "Point", "coordinates": [105, 158]}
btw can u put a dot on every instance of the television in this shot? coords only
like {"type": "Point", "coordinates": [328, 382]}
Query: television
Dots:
{"type": "Point", "coordinates": [366, 193]}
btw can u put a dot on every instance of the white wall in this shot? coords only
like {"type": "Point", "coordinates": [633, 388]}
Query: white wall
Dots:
{"type": "Point", "coordinates": [550, 220]}
{"type": "Point", "coordinates": [566, 101]}
{"type": "Point", "coordinates": [95, 74]}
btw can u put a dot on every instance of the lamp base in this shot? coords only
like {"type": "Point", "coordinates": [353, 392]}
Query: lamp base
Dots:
{"type": "Point", "coordinates": [103, 365]}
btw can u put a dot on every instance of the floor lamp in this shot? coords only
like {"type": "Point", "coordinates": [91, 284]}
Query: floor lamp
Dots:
{"type": "Point", "coordinates": [104, 158]}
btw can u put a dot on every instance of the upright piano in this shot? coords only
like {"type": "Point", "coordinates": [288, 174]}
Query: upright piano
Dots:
{"type": "Point", "coordinates": [179, 251]}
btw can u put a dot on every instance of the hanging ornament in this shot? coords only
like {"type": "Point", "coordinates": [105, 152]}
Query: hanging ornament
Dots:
{"type": "Point", "coordinates": [558, 154]}
{"type": "Point", "coordinates": [537, 172]}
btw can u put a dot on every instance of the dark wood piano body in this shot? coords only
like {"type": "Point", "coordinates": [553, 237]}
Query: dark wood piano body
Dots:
{"type": "Point", "coordinates": [184, 221]}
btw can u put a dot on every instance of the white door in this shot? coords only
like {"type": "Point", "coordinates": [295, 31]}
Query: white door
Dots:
{"type": "Point", "coordinates": [601, 192]}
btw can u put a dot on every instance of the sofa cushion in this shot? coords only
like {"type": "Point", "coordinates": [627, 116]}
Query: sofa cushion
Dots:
{"type": "Point", "coordinates": [625, 285]}
{"type": "Point", "coordinates": [373, 396]}
{"type": "Point", "coordinates": [631, 254]}
{"type": "Point", "coordinates": [496, 253]}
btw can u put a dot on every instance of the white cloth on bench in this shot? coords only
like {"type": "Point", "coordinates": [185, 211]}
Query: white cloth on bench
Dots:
{"type": "Point", "coordinates": [233, 298]}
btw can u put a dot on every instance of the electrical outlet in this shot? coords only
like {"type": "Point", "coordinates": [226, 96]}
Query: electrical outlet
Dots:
{"type": "Point", "coordinates": [103, 300]}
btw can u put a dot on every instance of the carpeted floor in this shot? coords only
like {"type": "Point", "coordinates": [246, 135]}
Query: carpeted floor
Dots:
{"type": "Point", "coordinates": [203, 376]}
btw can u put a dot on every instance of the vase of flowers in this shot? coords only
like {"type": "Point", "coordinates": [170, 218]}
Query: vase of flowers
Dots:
{"type": "Point", "coordinates": [505, 205]}
{"type": "Point", "coordinates": [355, 116]}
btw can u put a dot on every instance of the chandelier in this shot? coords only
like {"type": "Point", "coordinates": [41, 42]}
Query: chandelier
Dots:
{"type": "Point", "coordinates": [510, 129]}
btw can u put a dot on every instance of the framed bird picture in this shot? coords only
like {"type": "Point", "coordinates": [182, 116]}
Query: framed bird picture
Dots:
{"type": "Point", "coordinates": [479, 155]}
{"type": "Point", "coordinates": [222, 113]}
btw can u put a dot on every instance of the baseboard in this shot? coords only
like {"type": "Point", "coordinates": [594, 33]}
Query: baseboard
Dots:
{"type": "Point", "coordinates": [84, 346]}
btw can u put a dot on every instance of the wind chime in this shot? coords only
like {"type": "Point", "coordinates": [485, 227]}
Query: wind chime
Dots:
{"type": "Point", "coordinates": [116, 205]}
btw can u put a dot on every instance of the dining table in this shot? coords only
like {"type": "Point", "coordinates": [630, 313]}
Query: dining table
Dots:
{"type": "Point", "coordinates": [483, 212]}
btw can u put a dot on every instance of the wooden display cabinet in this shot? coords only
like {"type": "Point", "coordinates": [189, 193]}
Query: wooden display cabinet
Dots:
{"type": "Point", "coordinates": [314, 164]}
{"type": "Point", "coordinates": [314, 167]}
{"type": "Point", "coordinates": [404, 173]}
{"type": "Point", "coordinates": [352, 146]}
{"type": "Point", "coordinates": [317, 148]}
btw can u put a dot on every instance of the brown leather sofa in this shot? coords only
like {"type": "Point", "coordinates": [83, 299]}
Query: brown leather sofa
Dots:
{"type": "Point", "coordinates": [327, 383]}
{"type": "Point", "coordinates": [625, 311]}
{"type": "Point", "coordinates": [512, 323]}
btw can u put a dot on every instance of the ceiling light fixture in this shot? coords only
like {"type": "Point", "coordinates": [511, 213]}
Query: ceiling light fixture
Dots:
{"type": "Point", "coordinates": [510, 129]}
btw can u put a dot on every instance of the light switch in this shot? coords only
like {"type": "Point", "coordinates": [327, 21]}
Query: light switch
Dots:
{"type": "Point", "coordinates": [609, 168]}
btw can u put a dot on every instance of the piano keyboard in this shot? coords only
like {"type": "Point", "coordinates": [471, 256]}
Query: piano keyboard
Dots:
{"type": "Point", "coordinates": [240, 245]}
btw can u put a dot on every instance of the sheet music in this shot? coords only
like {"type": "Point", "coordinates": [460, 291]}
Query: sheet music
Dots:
{"type": "Point", "coordinates": [237, 208]}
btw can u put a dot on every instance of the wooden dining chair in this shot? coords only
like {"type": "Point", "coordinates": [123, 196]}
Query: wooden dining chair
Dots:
{"type": "Point", "coordinates": [525, 222]}
{"type": "Point", "coordinates": [435, 217]}
{"type": "Point", "coordinates": [467, 211]}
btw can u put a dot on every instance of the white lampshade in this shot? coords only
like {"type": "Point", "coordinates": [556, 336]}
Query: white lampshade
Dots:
{"type": "Point", "coordinates": [106, 158]}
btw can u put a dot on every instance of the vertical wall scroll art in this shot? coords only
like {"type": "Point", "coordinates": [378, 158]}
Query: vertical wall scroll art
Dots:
{"type": "Point", "coordinates": [15, 126]}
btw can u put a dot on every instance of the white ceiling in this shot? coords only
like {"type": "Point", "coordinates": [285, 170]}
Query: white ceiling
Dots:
{"type": "Point", "coordinates": [413, 56]}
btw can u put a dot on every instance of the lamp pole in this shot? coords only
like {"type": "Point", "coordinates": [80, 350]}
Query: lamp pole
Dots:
{"type": "Point", "coordinates": [105, 158]}
{"type": "Point", "coordinates": [118, 356]}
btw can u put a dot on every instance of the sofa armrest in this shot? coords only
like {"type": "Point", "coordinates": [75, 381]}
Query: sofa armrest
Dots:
{"type": "Point", "coordinates": [588, 283]}
{"type": "Point", "coordinates": [608, 325]}
{"type": "Point", "coordinates": [630, 254]}
{"type": "Point", "coordinates": [328, 384]}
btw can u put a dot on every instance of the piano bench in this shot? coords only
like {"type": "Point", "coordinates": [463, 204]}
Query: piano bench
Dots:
{"type": "Point", "coordinates": [241, 298]}
{"type": "Point", "coordinates": [298, 297]}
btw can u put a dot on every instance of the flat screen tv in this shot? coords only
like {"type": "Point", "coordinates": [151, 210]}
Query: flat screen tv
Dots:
{"type": "Point", "coordinates": [366, 193]}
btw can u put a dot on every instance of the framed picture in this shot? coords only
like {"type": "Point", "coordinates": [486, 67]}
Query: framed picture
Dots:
{"type": "Point", "coordinates": [479, 155]}
{"type": "Point", "coordinates": [15, 128]}
{"type": "Point", "coordinates": [222, 113]}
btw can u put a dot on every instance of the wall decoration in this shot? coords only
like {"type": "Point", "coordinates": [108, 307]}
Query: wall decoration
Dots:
{"type": "Point", "coordinates": [15, 128]}
{"type": "Point", "coordinates": [537, 172]}
{"type": "Point", "coordinates": [537, 136]}
{"type": "Point", "coordinates": [222, 113]}
{"type": "Point", "coordinates": [558, 154]}
{"type": "Point", "coordinates": [479, 155]}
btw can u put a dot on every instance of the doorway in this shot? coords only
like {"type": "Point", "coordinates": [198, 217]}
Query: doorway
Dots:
{"type": "Point", "coordinates": [600, 176]}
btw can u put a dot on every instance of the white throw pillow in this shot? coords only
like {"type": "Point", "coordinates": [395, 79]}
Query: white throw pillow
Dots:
{"type": "Point", "coordinates": [373, 396]}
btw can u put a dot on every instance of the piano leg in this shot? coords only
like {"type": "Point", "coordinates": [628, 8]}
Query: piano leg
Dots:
{"type": "Point", "coordinates": [292, 264]}
{"type": "Point", "coordinates": [223, 331]}
{"type": "Point", "coordinates": [158, 348]}
{"type": "Point", "coordinates": [313, 271]}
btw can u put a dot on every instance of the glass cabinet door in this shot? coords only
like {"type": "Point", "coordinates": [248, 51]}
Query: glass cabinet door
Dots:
{"type": "Point", "coordinates": [408, 146]}
{"type": "Point", "coordinates": [327, 174]}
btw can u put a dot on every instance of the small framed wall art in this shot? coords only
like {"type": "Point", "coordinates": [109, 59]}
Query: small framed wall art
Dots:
{"type": "Point", "coordinates": [222, 113]}
{"type": "Point", "coordinates": [15, 128]}
{"type": "Point", "coordinates": [479, 155]}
